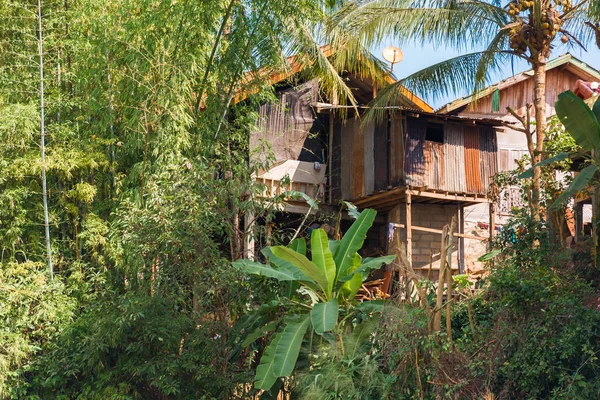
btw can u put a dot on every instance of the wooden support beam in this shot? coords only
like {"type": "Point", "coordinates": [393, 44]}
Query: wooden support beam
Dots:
{"type": "Point", "coordinates": [409, 228]}
{"type": "Point", "coordinates": [439, 232]}
{"type": "Point", "coordinates": [448, 197]}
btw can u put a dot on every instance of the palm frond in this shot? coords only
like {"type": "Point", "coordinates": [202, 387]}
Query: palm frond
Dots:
{"type": "Point", "coordinates": [450, 77]}
{"type": "Point", "coordinates": [460, 24]}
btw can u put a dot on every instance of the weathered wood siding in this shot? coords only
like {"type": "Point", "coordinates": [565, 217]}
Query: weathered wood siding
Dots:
{"type": "Point", "coordinates": [369, 157]}
{"type": "Point", "coordinates": [516, 96]}
{"type": "Point", "coordinates": [336, 161]}
{"type": "Point", "coordinates": [347, 159]}
{"type": "Point", "coordinates": [382, 153]}
{"type": "Point", "coordinates": [415, 151]}
{"type": "Point", "coordinates": [396, 151]}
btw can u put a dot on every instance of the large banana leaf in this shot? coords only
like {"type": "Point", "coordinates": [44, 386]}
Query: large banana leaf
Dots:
{"type": "Point", "coordinates": [288, 347]}
{"type": "Point", "coordinates": [529, 173]}
{"type": "Point", "coordinates": [265, 376]}
{"type": "Point", "coordinates": [280, 263]}
{"type": "Point", "coordinates": [581, 180]}
{"type": "Point", "coordinates": [324, 316]}
{"type": "Point", "coordinates": [260, 332]}
{"type": "Point", "coordinates": [333, 246]}
{"type": "Point", "coordinates": [596, 109]}
{"type": "Point", "coordinates": [578, 120]}
{"type": "Point", "coordinates": [282, 273]}
{"type": "Point", "coordinates": [351, 287]}
{"type": "Point", "coordinates": [367, 265]}
{"type": "Point", "coordinates": [353, 241]}
{"type": "Point", "coordinates": [307, 267]}
{"type": "Point", "coordinates": [298, 245]}
{"type": "Point", "coordinates": [322, 257]}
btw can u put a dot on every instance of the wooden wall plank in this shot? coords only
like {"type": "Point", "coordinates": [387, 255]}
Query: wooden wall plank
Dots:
{"type": "Point", "coordinates": [381, 149]}
{"type": "Point", "coordinates": [369, 158]}
{"type": "Point", "coordinates": [347, 139]}
{"type": "Point", "coordinates": [358, 159]}
{"type": "Point", "coordinates": [336, 169]}
{"type": "Point", "coordinates": [397, 137]}
{"type": "Point", "coordinates": [415, 157]}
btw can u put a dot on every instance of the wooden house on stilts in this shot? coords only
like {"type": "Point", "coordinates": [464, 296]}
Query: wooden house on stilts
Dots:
{"type": "Point", "coordinates": [418, 169]}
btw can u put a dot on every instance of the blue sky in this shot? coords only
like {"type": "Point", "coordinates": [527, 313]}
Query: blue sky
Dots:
{"type": "Point", "coordinates": [419, 57]}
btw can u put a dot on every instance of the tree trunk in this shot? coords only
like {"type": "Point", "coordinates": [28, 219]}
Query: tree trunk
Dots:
{"type": "Point", "coordinates": [539, 104]}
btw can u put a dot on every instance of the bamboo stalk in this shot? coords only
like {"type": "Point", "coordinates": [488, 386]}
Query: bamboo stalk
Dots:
{"type": "Point", "coordinates": [43, 143]}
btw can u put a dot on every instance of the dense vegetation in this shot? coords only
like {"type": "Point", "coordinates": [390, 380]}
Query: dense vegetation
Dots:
{"type": "Point", "coordinates": [148, 181]}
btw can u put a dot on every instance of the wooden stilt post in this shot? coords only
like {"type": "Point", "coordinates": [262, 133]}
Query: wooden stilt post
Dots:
{"type": "Point", "coordinates": [492, 223]}
{"type": "Point", "coordinates": [578, 221]}
{"type": "Point", "coordinates": [409, 227]}
{"type": "Point", "coordinates": [461, 240]}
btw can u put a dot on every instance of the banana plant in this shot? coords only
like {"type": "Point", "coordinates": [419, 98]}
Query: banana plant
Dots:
{"type": "Point", "coordinates": [582, 124]}
{"type": "Point", "coordinates": [325, 287]}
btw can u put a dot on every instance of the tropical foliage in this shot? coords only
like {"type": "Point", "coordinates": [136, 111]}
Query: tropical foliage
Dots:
{"type": "Point", "coordinates": [327, 285]}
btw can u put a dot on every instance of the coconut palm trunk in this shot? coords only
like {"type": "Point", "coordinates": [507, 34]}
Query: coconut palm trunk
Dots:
{"type": "Point", "coordinates": [539, 104]}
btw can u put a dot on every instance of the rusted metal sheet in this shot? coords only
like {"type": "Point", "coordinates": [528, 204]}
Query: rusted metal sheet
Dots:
{"type": "Point", "coordinates": [489, 156]}
{"type": "Point", "coordinates": [473, 162]}
{"type": "Point", "coordinates": [369, 160]}
{"type": "Point", "coordinates": [415, 157]}
{"type": "Point", "coordinates": [434, 165]}
{"type": "Point", "coordinates": [454, 161]}
{"type": "Point", "coordinates": [396, 146]}
{"type": "Point", "coordinates": [380, 157]}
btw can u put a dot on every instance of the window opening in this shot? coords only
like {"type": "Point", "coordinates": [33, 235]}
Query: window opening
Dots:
{"type": "Point", "coordinates": [435, 132]}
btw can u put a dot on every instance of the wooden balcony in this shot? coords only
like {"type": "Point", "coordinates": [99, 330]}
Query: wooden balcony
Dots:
{"type": "Point", "coordinates": [292, 175]}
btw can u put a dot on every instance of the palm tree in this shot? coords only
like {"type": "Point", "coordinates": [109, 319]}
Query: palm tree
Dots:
{"type": "Point", "coordinates": [522, 29]}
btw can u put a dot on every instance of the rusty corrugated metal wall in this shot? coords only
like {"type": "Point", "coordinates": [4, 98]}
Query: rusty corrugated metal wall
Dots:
{"type": "Point", "coordinates": [454, 146]}
{"type": "Point", "coordinates": [488, 148]}
{"type": "Point", "coordinates": [464, 163]}
{"type": "Point", "coordinates": [473, 160]}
